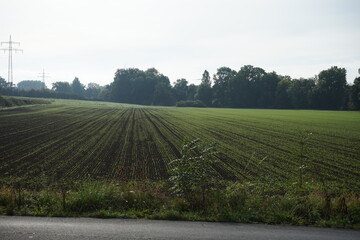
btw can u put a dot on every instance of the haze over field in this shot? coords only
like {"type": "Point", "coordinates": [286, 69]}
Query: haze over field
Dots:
{"type": "Point", "coordinates": [91, 39]}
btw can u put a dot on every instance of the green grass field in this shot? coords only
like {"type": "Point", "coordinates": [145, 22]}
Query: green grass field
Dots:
{"type": "Point", "coordinates": [75, 139]}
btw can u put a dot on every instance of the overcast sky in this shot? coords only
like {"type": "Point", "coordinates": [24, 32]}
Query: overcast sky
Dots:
{"type": "Point", "coordinates": [91, 39]}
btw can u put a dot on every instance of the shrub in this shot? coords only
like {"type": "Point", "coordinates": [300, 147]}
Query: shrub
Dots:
{"type": "Point", "coordinates": [193, 171]}
{"type": "Point", "coordinates": [190, 103]}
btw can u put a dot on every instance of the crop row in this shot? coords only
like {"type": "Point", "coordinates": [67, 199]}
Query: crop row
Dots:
{"type": "Point", "coordinates": [123, 142]}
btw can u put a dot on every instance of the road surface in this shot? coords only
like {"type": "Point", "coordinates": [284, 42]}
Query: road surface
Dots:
{"type": "Point", "coordinates": [91, 228]}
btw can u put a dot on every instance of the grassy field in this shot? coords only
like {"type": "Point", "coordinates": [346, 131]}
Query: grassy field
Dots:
{"type": "Point", "coordinates": [76, 139]}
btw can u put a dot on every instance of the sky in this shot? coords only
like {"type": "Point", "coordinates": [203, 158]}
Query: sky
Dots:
{"type": "Point", "coordinates": [91, 39]}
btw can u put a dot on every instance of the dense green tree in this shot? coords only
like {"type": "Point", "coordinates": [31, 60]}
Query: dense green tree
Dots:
{"type": "Point", "coordinates": [121, 87]}
{"type": "Point", "coordinates": [191, 92]}
{"type": "Point", "coordinates": [355, 93]}
{"type": "Point", "coordinates": [180, 89]}
{"type": "Point", "coordinates": [245, 87]}
{"type": "Point", "coordinates": [204, 94]}
{"type": "Point", "coordinates": [77, 87]}
{"type": "Point", "coordinates": [331, 89]}
{"type": "Point", "coordinates": [282, 98]}
{"type": "Point", "coordinates": [204, 91]}
{"type": "Point", "coordinates": [63, 87]}
{"type": "Point", "coordinates": [221, 91]}
{"type": "Point", "coordinates": [105, 93]}
{"type": "Point", "coordinates": [162, 90]}
{"type": "Point", "coordinates": [141, 87]}
{"type": "Point", "coordinates": [267, 87]}
{"type": "Point", "coordinates": [93, 91]}
{"type": "Point", "coordinates": [300, 92]}
{"type": "Point", "coordinates": [206, 78]}
{"type": "Point", "coordinates": [162, 94]}
{"type": "Point", "coordinates": [3, 83]}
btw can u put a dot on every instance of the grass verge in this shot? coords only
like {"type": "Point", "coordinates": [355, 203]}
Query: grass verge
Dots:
{"type": "Point", "coordinates": [255, 202]}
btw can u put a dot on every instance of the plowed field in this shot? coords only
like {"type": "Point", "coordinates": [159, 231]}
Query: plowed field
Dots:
{"type": "Point", "coordinates": [75, 139]}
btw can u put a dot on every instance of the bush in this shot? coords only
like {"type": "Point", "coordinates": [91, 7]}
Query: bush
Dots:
{"type": "Point", "coordinates": [189, 103]}
{"type": "Point", "coordinates": [193, 173]}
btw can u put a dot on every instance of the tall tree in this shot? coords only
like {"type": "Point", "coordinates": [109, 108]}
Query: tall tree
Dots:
{"type": "Point", "coordinates": [3, 83]}
{"type": "Point", "coordinates": [206, 78]}
{"type": "Point", "coordinates": [331, 88]}
{"type": "Point", "coordinates": [191, 92]}
{"type": "Point", "coordinates": [355, 93]}
{"type": "Point", "coordinates": [300, 92]}
{"type": "Point", "coordinates": [282, 99]}
{"type": "Point", "coordinates": [204, 94]}
{"type": "Point", "coordinates": [180, 89]}
{"type": "Point", "coordinates": [221, 86]}
{"type": "Point", "coordinates": [77, 88]}
{"type": "Point", "coordinates": [245, 86]}
{"type": "Point", "coordinates": [162, 94]}
{"type": "Point", "coordinates": [93, 91]}
{"type": "Point", "coordinates": [63, 87]}
{"type": "Point", "coordinates": [141, 87]}
{"type": "Point", "coordinates": [267, 90]}
{"type": "Point", "coordinates": [121, 88]}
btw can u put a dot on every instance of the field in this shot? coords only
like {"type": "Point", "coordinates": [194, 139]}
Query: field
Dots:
{"type": "Point", "coordinates": [76, 139]}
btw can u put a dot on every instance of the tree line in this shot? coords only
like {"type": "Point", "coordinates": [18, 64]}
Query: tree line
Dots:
{"type": "Point", "coordinates": [250, 87]}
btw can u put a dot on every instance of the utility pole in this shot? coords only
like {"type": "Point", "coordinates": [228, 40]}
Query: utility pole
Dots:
{"type": "Point", "coordinates": [10, 49]}
{"type": "Point", "coordinates": [43, 76]}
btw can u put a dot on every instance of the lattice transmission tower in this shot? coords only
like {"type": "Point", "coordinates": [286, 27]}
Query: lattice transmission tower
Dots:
{"type": "Point", "coordinates": [43, 75]}
{"type": "Point", "coordinates": [10, 49]}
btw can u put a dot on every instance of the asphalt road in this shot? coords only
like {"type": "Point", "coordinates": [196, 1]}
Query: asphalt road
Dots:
{"type": "Point", "coordinates": [90, 228]}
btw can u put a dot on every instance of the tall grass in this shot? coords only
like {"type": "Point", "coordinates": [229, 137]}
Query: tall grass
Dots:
{"type": "Point", "coordinates": [269, 201]}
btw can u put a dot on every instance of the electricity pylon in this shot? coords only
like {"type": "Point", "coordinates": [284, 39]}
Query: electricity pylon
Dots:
{"type": "Point", "coordinates": [43, 76]}
{"type": "Point", "coordinates": [10, 49]}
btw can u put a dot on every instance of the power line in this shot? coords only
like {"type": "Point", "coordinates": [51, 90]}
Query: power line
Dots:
{"type": "Point", "coordinates": [10, 49]}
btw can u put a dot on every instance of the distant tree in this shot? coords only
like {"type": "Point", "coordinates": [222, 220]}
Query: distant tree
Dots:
{"type": "Point", "coordinates": [221, 89]}
{"type": "Point", "coordinates": [245, 87]}
{"type": "Point", "coordinates": [77, 88]}
{"type": "Point", "coordinates": [191, 92]}
{"type": "Point", "coordinates": [162, 94]}
{"type": "Point", "coordinates": [63, 87]}
{"type": "Point", "coordinates": [300, 92]}
{"type": "Point", "coordinates": [204, 94]}
{"type": "Point", "coordinates": [266, 89]}
{"type": "Point", "coordinates": [355, 93]}
{"type": "Point", "coordinates": [331, 89]}
{"type": "Point", "coordinates": [206, 78]}
{"type": "Point", "coordinates": [282, 98]}
{"type": "Point", "coordinates": [93, 91]}
{"type": "Point", "coordinates": [121, 89]}
{"type": "Point", "coordinates": [105, 93]}
{"type": "Point", "coordinates": [141, 87]}
{"type": "Point", "coordinates": [3, 83]}
{"type": "Point", "coordinates": [204, 91]}
{"type": "Point", "coordinates": [31, 85]}
{"type": "Point", "coordinates": [180, 89]}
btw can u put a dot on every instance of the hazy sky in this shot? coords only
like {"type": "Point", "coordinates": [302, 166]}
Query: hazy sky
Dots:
{"type": "Point", "coordinates": [91, 39]}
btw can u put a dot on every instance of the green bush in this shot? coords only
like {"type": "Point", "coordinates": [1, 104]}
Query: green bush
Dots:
{"type": "Point", "coordinates": [193, 171]}
{"type": "Point", "coordinates": [190, 103]}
